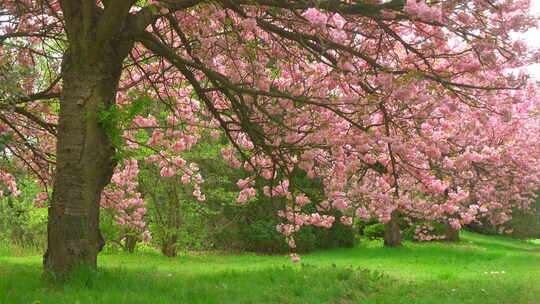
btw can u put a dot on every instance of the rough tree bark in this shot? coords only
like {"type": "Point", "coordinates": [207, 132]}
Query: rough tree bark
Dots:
{"type": "Point", "coordinates": [91, 70]}
{"type": "Point", "coordinates": [84, 164]}
{"type": "Point", "coordinates": [392, 233]}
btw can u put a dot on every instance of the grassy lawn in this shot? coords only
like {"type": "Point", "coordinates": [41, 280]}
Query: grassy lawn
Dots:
{"type": "Point", "coordinates": [479, 269]}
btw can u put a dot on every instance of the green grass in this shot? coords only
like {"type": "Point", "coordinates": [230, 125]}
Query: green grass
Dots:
{"type": "Point", "coordinates": [470, 271]}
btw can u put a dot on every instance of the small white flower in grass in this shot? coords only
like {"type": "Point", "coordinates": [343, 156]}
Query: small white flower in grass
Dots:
{"type": "Point", "coordinates": [495, 272]}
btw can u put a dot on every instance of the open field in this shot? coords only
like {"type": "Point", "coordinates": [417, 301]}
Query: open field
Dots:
{"type": "Point", "coordinates": [479, 269]}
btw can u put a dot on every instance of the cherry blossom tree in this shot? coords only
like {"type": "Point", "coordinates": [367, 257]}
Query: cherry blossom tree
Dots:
{"type": "Point", "coordinates": [411, 107]}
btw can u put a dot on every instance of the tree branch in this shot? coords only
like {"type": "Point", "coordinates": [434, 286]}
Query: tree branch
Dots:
{"type": "Point", "coordinates": [335, 6]}
{"type": "Point", "coordinates": [180, 4]}
{"type": "Point", "coordinates": [113, 17]}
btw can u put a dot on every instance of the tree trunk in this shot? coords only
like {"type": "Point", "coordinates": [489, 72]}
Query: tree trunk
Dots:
{"type": "Point", "coordinates": [131, 243]}
{"type": "Point", "coordinates": [452, 235]}
{"type": "Point", "coordinates": [84, 161]}
{"type": "Point", "coordinates": [168, 247]}
{"type": "Point", "coordinates": [169, 250]}
{"type": "Point", "coordinates": [392, 233]}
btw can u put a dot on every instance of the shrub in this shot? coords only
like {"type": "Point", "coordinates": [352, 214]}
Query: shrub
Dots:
{"type": "Point", "coordinates": [221, 222]}
{"type": "Point", "coordinates": [338, 236]}
{"type": "Point", "coordinates": [425, 231]}
{"type": "Point", "coordinates": [175, 218]}
{"type": "Point", "coordinates": [253, 228]}
{"type": "Point", "coordinates": [261, 236]}
{"type": "Point", "coordinates": [360, 224]}
{"type": "Point", "coordinates": [375, 231]}
{"type": "Point", "coordinates": [523, 225]}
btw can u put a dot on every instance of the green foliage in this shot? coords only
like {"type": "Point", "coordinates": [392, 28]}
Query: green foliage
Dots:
{"type": "Point", "coordinates": [526, 224]}
{"type": "Point", "coordinates": [176, 219]}
{"type": "Point", "coordinates": [523, 225]}
{"type": "Point", "coordinates": [115, 119]}
{"type": "Point", "coordinates": [21, 223]}
{"type": "Point", "coordinates": [112, 232]}
{"type": "Point", "coordinates": [338, 236]}
{"type": "Point", "coordinates": [261, 236]}
{"type": "Point", "coordinates": [375, 231]}
{"type": "Point", "coordinates": [5, 139]}
{"type": "Point", "coordinates": [179, 226]}
{"type": "Point", "coordinates": [223, 223]}
{"type": "Point", "coordinates": [481, 227]}
{"type": "Point", "coordinates": [360, 224]}
{"type": "Point", "coordinates": [252, 226]}
{"type": "Point", "coordinates": [255, 230]}
{"type": "Point", "coordinates": [258, 234]}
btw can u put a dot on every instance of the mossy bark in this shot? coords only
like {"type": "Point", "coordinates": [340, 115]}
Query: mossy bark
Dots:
{"type": "Point", "coordinates": [84, 167]}
{"type": "Point", "coordinates": [91, 70]}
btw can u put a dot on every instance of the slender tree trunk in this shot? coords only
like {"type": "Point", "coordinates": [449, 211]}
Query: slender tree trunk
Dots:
{"type": "Point", "coordinates": [452, 235]}
{"type": "Point", "coordinates": [169, 250]}
{"type": "Point", "coordinates": [168, 247]}
{"type": "Point", "coordinates": [131, 243]}
{"type": "Point", "coordinates": [392, 233]}
{"type": "Point", "coordinates": [84, 159]}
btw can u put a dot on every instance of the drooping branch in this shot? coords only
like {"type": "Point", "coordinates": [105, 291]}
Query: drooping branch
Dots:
{"type": "Point", "coordinates": [181, 4]}
{"type": "Point", "coordinates": [224, 84]}
{"type": "Point", "coordinates": [337, 6]}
